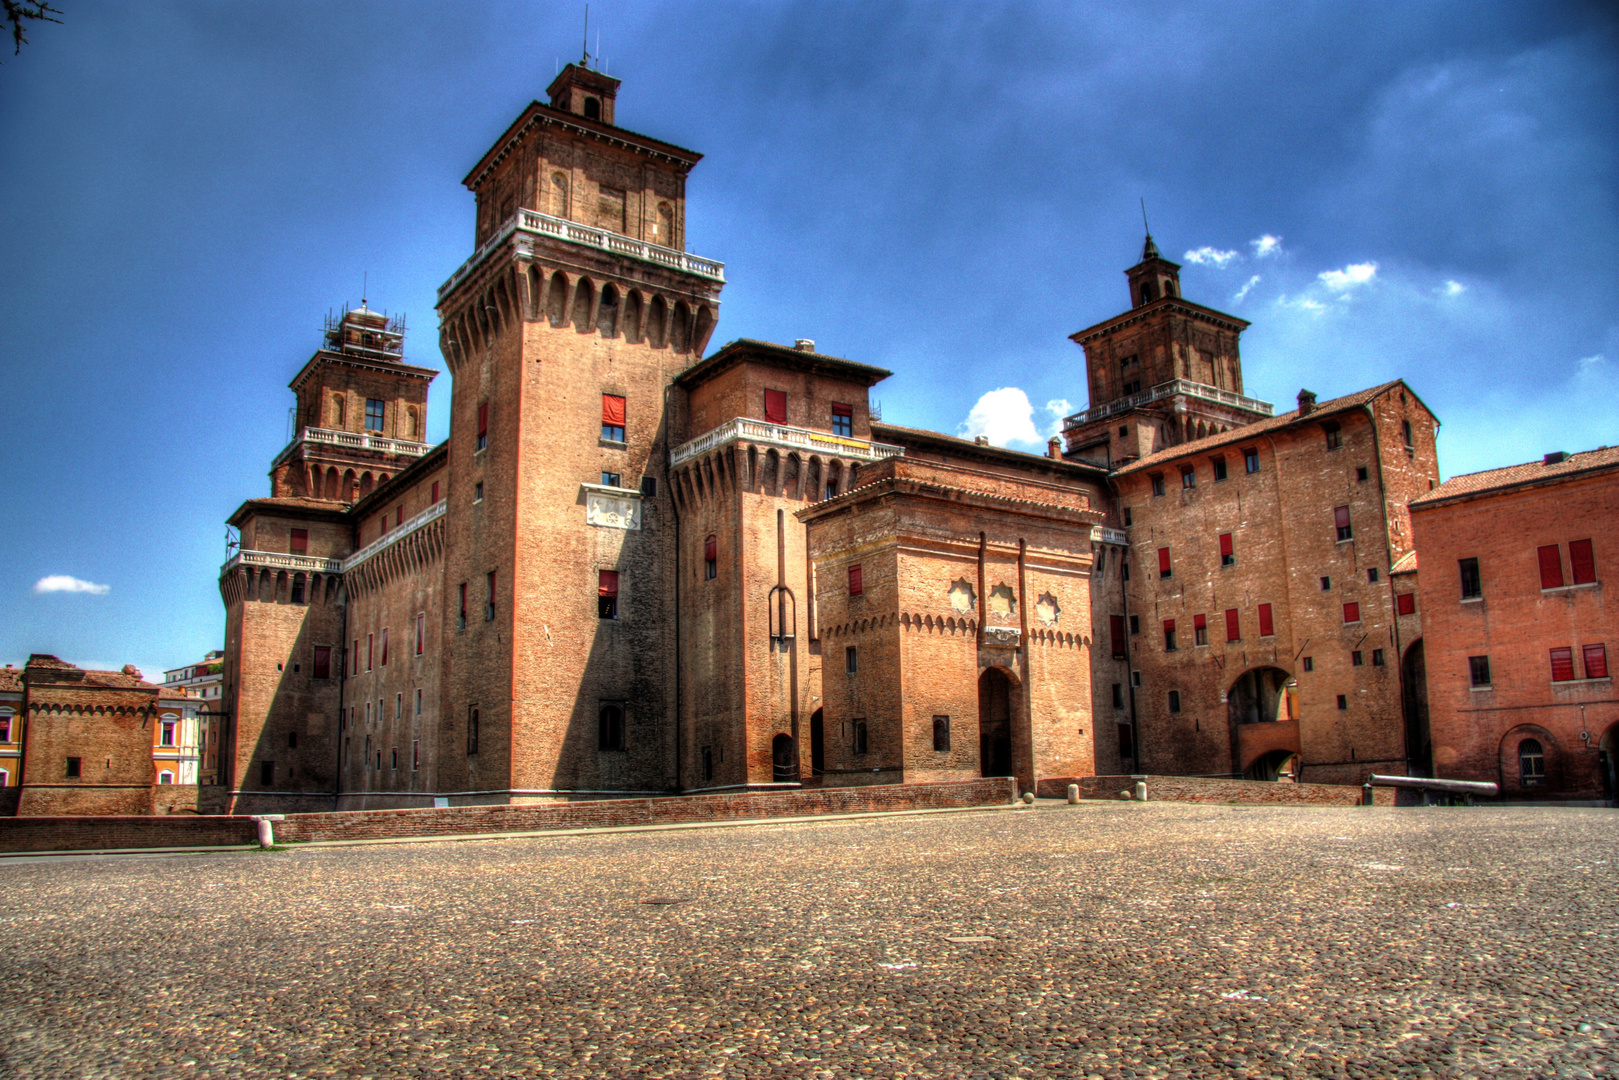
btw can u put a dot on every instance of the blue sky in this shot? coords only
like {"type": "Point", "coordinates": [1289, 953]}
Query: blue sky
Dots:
{"type": "Point", "coordinates": [944, 190]}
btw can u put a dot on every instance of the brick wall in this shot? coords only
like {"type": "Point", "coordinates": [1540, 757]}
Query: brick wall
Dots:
{"type": "Point", "coordinates": [106, 833]}
{"type": "Point", "coordinates": [1197, 789]}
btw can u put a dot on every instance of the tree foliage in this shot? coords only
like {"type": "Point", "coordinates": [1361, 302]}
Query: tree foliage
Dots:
{"type": "Point", "coordinates": [18, 14]}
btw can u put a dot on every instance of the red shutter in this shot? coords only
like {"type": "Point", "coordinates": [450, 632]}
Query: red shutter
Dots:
{"type": "Point", "coordinates": [1115, 628]}
{"type": "Point", "coordinates": [842, 410]}
{"type": "Point", "coordinates": [483, 420]}
{"type": "Point", "coordinates": [1233, 625]}
{"type": "Point", "coordinates": [613, 410]}
{"type": "Point", "coordinates": [354, 665]}
{"type": "Point", "coordinates": [1351, 613]}
{"type": "Point", "coordinates": [1340, 516]}
{"type": "Point", "coordinates": [1406, 603]}
{"type": "Point", "coordinates": [384, 647]}
{"type": "Point", "coordinates": [1163, 561]}
{"type": "Point", "coordinates": [1169, 626]}
{"type": "Point", "coordinates": [1225, 545]}
{"type": "Point", "coordinates": [1562, 664]}
{"type": "Point", "coordinates": [1551, 567]}
{"type": "Point", "coordinates": [711, 549]}
{"type": "Point", "coordinates": [1199, 622]}
{"type": "Point", "coordinates": [776, 406]}
{"type": "Point", "coordinates": [856, 587]}
{"type": "Point", "coordinates": [370, 651]}
{"type": "Point", "coordinates": [435, 493]}
{"type": "Point", "coordinates": [300, 541]}
{"type": "Point", "coordinates": [1596, 661]}
{"type": "Point", "coordinates": [609, 583]}
{"type": "Point", "coordinates": [323, 662]}
{"type": "Point", "coordinates": [1266, 626]}
{"type": "Point", "coordinates": [1582, 560]}
{"type": "Point", "coordinates": [421, 632]}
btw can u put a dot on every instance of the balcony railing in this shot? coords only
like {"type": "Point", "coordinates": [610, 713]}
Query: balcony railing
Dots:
{"type": "Point", "coordinates": [768, 434]}
{"type": "Point", "coordinates": [353, 440]}
{"type": "Point", "coordinates": [280, 561]}
{"type": "Point", "coordinates": [532, 221]}
{"type": "Point", "coordinates": [1101, 534]}
{"type": "Point", "coordinates": [396, 534]}
{"type": "Point", "coordinates": [1172, 388]}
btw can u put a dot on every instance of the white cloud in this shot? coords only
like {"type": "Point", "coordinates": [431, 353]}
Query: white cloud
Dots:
{"type": "Point", "coordinates": [1266, 246]}
{"type": "Point", "coordinates": [1453, 288]}
{"type": "Point", "coordinates": [1058, 408]}
{"type": "Point", "coordinates": [1350, 276]}
{"type": "Point", "coordinates": [1207, 256]}
{"type": "Point", "coordinates": [1589, 362]}
{"type": "Point", "coordinates": [1005, 416]}
{"type": "Point", "coordinates": [1304, 303]}
{"type": "Point", "coordinates": [1242, 292]}
{"type": "Point", "coordinates": [64, 583]}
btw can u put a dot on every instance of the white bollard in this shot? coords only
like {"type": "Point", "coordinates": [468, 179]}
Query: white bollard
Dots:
{"type": "Point", "coordinates": [1073, 794]}
{"type": "Point", "coordinates": [1141, 791]}
{"type": "Point", "coordinates": [266, 833]}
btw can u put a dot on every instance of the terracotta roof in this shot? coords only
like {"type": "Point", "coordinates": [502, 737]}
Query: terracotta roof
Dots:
{"type": "Point", "coordinates": [10, 679]}
{"type": "Point", "coordinates": [1260, 427]}
{"type": "Point", "coordinates": [1405, 564]}
{"type": "Point", "coordinates": [743, 350]}
{"type": "Point", "coordinates": [332, 511]}
{"type": "Point", "coordinates": [900, 435]}
{"type": "Point", "coordinates": [1531, 472]}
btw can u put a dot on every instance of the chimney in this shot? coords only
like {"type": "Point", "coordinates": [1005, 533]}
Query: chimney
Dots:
{"type": "Point", "coordinates": [1054, 448]}
{"type": "Point", "coordinates": [981, 440]}
{"type": "Point", "coordinates": [804, 344]}
{"type": "Point", "coordinates": [1306, 402]}
{"type": "Point", "coordinates": [1556, 457]}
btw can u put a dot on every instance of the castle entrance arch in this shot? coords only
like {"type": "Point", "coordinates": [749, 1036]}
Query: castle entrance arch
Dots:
{"type": "Point", "coordinates": [1262, 711]}
{"type": "Point", "coordinates": [994, 723]}
{"type": "Point", "coordinates": [817, 744]}
{"type": "Point", "coordinates": [1414, 707]}
{"type": "Point", "coordinates": [784, 759]}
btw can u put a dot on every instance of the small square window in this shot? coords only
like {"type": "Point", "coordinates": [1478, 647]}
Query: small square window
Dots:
{"type": "Point", "coordinates": [851, 660]}
{"type": "Point", "coordinates": [1188, 478]}
{"type": "Point", "coordinates": [1309, 663]}
{"type": "Point", "coordinates": [1371, 574]}
{"type": "Point", "coordinates": [1357, 659]}
{"type": "Point", "coordinates": [74, 768]}
{"type": "Point", "coordinates": [1219, 469]}
{"type": "Point", "coordinates": [1124, 431]}
{"type": "Point", "coordinates": [1135, 624]}
{"type": "Point", "coordinates": [1478, 670]}
{"type": "Point", "coordinates": [612, 479]}
{"type": "Point", "coordinates": [1361, 473]}
{"type": "Point", "coordinates": [1406, 603]}
{"type": "Point", "coordinates": [649, 486]}
{"type": "Point", "coordinates": [1326, 584]}
{"type": "Point", "coordinates": [1157, 484]}
{"type": "Point", "coordinates": [1250, 460]}
{"type": "Point", "coordinates": [941, 734]}
{"type": "Point", "coordinates": [1343, 702]}
{"type": "Point", "coordinates": [1378, 658]}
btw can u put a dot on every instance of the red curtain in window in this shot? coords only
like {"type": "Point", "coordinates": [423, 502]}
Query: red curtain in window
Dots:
{"type": "Point", "coordinates": [1340, 516]}
{"type": "Point", "coordinates": [1406, 603]}
{"type": "Point", "coordinates": [1562, 664]}
{"type": "Point", "coordinates": [1551, 567]}
{"type": "Point", "coordinates": [483, 420]}
{"type": "Point", "coordinates": [1163, 560]}
{"type": "Point", "coordinates": [1596, 661]}
{"type": "Point", "coordinates": [856, 586]}
{"type": "Point", "coordinates": [1266, 626]}
{"type": "Point", "coordinates": [300, 541]}
{"type": "Point", "coordinates": [1169, 626]}
{"type": "Point", "coordinates": [1199, 622]}
{"type": "Point", "coordinates": [1582, 560]}
{"type": "Point", "coordinates": [842, 410]}
{"type": "Point", "coordinates": [1233, 625]}
{"type": "Point", "coordinates": [613, 410]}
{"type": "Point", "coordinates": [1351, 613]}
{"type": "Point", "coordinates": [776, 406]}
{"type": "Point", "coordinates": [609, 583]}
{"type": "Point", "coordinates": [1225, 545]}
{"type": "Point", "coordinates": [1115, 628]}
{"type": "Point", "coordinates": [421, 632]}
{"type": "Point", "coordinates": [711, 549]}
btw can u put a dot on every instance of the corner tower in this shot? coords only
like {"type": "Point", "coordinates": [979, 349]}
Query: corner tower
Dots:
{"type": "Point", "coordinates": [1165, 372]}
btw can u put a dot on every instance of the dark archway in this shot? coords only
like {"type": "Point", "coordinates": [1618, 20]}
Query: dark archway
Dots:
{"type": "Point", "coordinates": [1262, 696]}
{"type": "Point", "coordinates": [994, 723]}
{"type": "Point", "coordinates": [1272, 766]}
{"type": "Point", "coordinates": [1608, 763]}
{"type": "Point", "coordinates": [784, 759]}
{"type": "Point", "coordinates": [817, 744]}
{"type": "Point", "coordinates": [1414, 706]}
{"type": "Point", "coordinates": [1259, 696]}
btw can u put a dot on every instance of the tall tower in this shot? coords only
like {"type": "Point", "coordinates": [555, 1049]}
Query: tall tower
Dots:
{"type": "Point", "coordinates": [564, 331]}
{"type": "Point", "coordinates": [1165, 372]}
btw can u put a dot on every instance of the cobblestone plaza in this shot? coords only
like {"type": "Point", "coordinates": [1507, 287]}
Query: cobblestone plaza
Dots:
{"type": "Point", "coordinates": [1111, 940]}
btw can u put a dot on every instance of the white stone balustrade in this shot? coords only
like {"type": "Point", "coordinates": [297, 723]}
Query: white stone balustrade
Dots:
{"type": "Point", "coordinates": [1172, 388]}
{"type": "Point", "coordinates": [353, 440]}
{"type": "Point", "coordinates": [281, 561]}
{"type": "Point", "coordinates": [396, 534]}
{"type": "Point", "coordinates": [767, 434]}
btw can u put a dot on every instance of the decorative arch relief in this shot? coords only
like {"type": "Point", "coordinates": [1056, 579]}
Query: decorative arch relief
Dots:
{"type": "Point", "coordinates": [962, 597]}
{"type": "Point", "coordinates": [1002, 600]}
{"type": "Point", "coordinates": [1047, 610]}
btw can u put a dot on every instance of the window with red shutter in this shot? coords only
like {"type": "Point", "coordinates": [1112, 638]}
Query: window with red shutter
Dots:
{"type": "Point", "coordinates": [1351, 613]}
{"type": "Point", "coordinates": [483, 427]}
{"type": "Point", "coordinates": [711, 558]}
{"type": "Point", "coordinates": [1266, 627]}
{"type": "Point", "coordinates": [1200, 629]}
{"type": "Point", "coordinates": [1582, 560]}
{"type": "Point", "coordinates": [1340, 520]}
{"type": "Point", "coordinates": [1596, 661]}
{"type": "Point", "coordinates": [435, 492]}
{"type": "Point", "coordinates": [370, 651]}
{"type": "Point", "coordinates": [776, 406]}
{"type": "Point", "coordinates": [323, 661]}
{"type": "Point", "coordinates": [1551, 567]}
{"type": "Point", "coordinates": [613, 417]}
{"type": "Point", "coordinates": [1563, 664]}
{"type": "Point", "coordinates": [856, 586]}
{"type": "Point", "coordinates": [1406, 603]}
{"type": "Point", "coordinates": [607, 594]}
{"type": "Point", "coordinates": [421, 632]}
{"type": "Point", "coordinates": [300, 541]}
{"type": "Point", "coordinates": [1228, 555]}
{"type": "Point", "coordinates": [1115, 631]}
{"type": "Point", "coordinates": [354, 664]}
{"type": "Point", "coordinates": [1163, 562]}
{"type": "Point", "coordinates": [1233, 625]}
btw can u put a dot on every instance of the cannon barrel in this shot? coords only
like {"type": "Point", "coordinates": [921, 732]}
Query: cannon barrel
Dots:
{"type": "Point", "coordinates": [1424, 783]}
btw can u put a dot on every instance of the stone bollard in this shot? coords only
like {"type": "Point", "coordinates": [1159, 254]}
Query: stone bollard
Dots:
{"type": "Point", "coordinates": [1073, 794]}
{"type": "Point", "coordinates": [1141, 791]}
{"type": "Point", "coordinates": [1028, 798]}
{"type": "Point", "coordinates": [267, 828]}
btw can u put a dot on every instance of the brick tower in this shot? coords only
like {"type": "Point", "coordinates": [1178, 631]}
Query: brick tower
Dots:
{"type": "Point", "coordinates": [564, 332]}
{"type": "Point", "coordinates": [1165, 372]}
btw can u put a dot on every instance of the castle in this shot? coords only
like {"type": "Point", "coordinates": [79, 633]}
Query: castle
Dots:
{"type": "Point", "coordinates": [634, 568]}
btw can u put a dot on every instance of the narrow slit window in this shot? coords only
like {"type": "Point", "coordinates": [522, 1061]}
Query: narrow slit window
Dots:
{"type": "Point", "coordinates": [421, 632]}
{"type": "Point", "coordinates": [851, 660]}
{"type": "Point", "coordinates": [483, 426]}
{"type": "Point", "coordinates": [711, 558]}
{"type": "Point", "coordinates": [489, 611]}
{"type": "Point", "coordinates": [941, 734]}
{"type": "Point", "coordinates": [472, 731]}
{"type": "Point", "coordinates": [434, 500]}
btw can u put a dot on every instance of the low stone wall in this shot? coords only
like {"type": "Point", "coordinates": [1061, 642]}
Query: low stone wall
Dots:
{"type": "Point", "coordinates": [186, 830]}
{"type": "Point", "coordinates": [1200, 789]}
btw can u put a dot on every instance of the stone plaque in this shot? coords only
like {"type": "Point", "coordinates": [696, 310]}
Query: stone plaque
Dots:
{"type": "Point", "coordinates": [1006, 637]}
{"type": "Point", "coordinates": [612, 511]}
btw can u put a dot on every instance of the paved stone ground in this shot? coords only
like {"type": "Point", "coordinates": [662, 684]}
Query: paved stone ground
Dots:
{"type": "Point", "coordinates": [1105, 940]}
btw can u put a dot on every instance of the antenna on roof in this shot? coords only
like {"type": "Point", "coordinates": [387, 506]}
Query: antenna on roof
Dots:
{"type": "Point", "coordinates": [584, 59]}
{"type": "Point", "coordinates": [1144, 224]}
{"type": "Point", "coordinates": [365, 287]}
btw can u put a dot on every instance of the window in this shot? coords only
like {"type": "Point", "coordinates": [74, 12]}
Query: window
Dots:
{"type": "Point", "coordinates": [851, 660]}
{"type": "Point", "coordinates": [1335, 435]}
{"type": "Point", "coordinates": [1188, 478]}
{"type": "Point", "coordinates": [1405, 432]}
{"type": "Point", "coordinates": [1163, 562]}
{"type": "Point", "coordinates": [434, 500]}
{"type": "Point", "coordinates": [1135, 624]}
{"type": "Point", "coordinates": [1309, 663]}
{"type": "Point", "coordinates": [415, 754]}
{"type": "Point", "coordinates": [370, 651]}
{"type": "Point", "coordinates": [1233, 625]}
{"type": "Point", "coordinates": [267, 768]}
{"type": "Point", "coordinates": [483, 426]}
{"type": "Point", "coordinates": [1115, 632]}
{"type": "Point", "coordinates": [649, 486]}
{"type": "Point", "coordinates": [1174, 701]}
{"type": "Point", "coordinates": [708, 763]}
{"type": "Point", "coordinates": [1219, 469]}
{"type": "Point", "coordinates": [418, 701]}
{"type": "Point", "coordinates": [593, 108]}
{"type": "Point", "coordinates": [73, 768]}
{"type": "Point", "coordinates": [843, 424]}
{"type": "Point", "coordinates": [1127, 741]}
{"type": "Point", "coordinates": [399, 705]}
{"type": "Point", "coordinates": [1478, 670]}
{"type": "Point", "coordinates": [385, 647]}
{"type": "Point", "coordinates": [1361, 474]}
{"type": "Point", "coordinates": [1551, 566]}
{"type": "Point", "coordinates": [1267, 624]}
{"type": "Point", "coordinates": [1118, 696]}
{"type": "Point", "coordinates": [373, 414]}
{"type": "Point", "coordinates": [1200, 629]}
{"type": "Point", "coordinates": [1472, 585]}
{"type": "Point", "coordinates": [1133, 387]}
{"type": "Point", "coordinates": [421, 632]}
{"type": "Point", "coordinates": [607, 594]}
{"type": "Point", "coordinates": [1157, 484]}
{"type": "Point", "coordinates": [1124, 567]}
{"type": "Point", "coordinates": [941, 734]}
{"type": "Point", "coordinates": [489, 608]}
{"type": "Point", "coordinates": [297, 596]}
{"type": "Point", "coordinates": [857, 729]}
{"type": "Point", "coordinates": [472, 731]}
{"type": "Point", "coordinates": [611, 724]}
{"type": "Point", "coordinates": [856, 585]}
{"type": "Point", "coordinates": [165, 777]}
{"type": "Point", "coordinates": [1169, 635]}
{"type": "Point", "coordinates": [1596, 661]}
{"type": "Point", "coordinates": [399, 515]}
{"type": "Point", "coordinates": [300, 541]}
{"type": "Point", "coordinates": [612, 479]}
{"type": "Point", "coordinates": [1343, 702]}
{"type": "Point", "coordinates": [776, 406]}
{"type": "Point", "coordinates": [461, 620]}
{"type": "Point", "coordinates": [5, 727]}
{"type": "Point", "coordinates": [1378, 659]}
{"type": "Point", "coordinates": [1127, 517]}
{"type": "Point", "coordinates": [477, 492]}
{"type": "Point", "coordinates": [711, 558]}
{"type": "Point", "coordinates": [1562, 664]}
{"type": "Point", "coordinates": [1351, 613]}
{"type": "Point", "coordinates": [1405, 603]}
{"type": "Point", "coordinates": [1135, 678]}
{"type": "Point", "coordinates": [167, 737]}
{"type": "Point", "coordinates": [1228, 554]}
{"type": "Point", "coordinates": [1250, 460]}
{"type": "Point", "coordinates": [393, 758]}
{"type": "Point", "coordinates": [1357, 659]}
{"type": "Point", "coordinates": [323, 662]}
{"type": "Point", "coordinates": [1371, 574]}
{"type": "Point", "coordinates": [613, 418]}
{"type": "Point", "coordinates": [1340, 519]}
{"type": "Point", "coordinates": [1582, 560]}
{"type": "Point", "coordinates": [1531, 764]}
{"type": "Point", "coordinates": [1124, 431]}
{"type": "Point", "coordinates": [354, 666]}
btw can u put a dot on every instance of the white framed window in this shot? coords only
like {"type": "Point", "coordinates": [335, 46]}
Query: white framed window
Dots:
{"type": "Point", "coordinates": [165, 777]}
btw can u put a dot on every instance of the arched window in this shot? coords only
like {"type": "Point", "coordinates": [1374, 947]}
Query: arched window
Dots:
{"type": "Point", "coordinates": [165, 777]}
{"type": "Point", "coordinates": [1148, 293]}
{"type": "Point", "coordinates": [593, 109]}
{"type": "Point", "coordinates": [612, 727]}
{"type": "Point", "coordinates": [1531, 763]}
